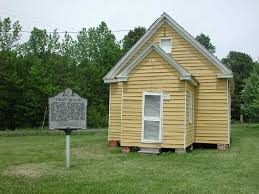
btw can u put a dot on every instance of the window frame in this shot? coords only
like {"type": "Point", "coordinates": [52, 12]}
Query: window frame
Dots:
{"type": "Point", "coordinates": [166, 38]}
{"type": "Point", "coordinates": [190, 106]}
{"type": "Point", "coordinates": [160, 119]}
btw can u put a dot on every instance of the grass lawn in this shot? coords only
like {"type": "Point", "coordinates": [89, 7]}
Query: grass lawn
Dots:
{"type": "Point", "coordinates": [36, 164]}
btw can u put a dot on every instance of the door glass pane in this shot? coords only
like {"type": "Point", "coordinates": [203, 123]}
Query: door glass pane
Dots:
{"type": "Point", "coordinates": [151, 130]}
{"type": "Point", "coordinates": [152, 106]}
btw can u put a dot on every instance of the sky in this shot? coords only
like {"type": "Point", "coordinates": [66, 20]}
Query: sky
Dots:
{"type": "Point", "coordinates": [231, 24]}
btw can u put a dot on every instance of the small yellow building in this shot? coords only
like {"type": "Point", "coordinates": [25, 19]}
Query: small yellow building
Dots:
{"type": "Point", "coordinates": [168, 91]}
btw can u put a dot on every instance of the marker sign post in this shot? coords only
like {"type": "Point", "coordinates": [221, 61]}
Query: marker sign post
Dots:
{"type": "Point", "coordinates": [67, 112]}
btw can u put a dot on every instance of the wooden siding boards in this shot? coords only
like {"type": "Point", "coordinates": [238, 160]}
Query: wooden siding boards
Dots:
{"type": "Point", "coordinates": [210, 95]}
{"type": "Point", "coordinates": [210, 123]}
{"type": "Point", "coordinates": [173, 110]}
{"type": "Point", "coordinates": [114, 131]}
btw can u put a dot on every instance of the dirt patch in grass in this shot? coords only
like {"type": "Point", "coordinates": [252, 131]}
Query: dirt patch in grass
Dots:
{"type": "Point", "coordinates": [27, 170]}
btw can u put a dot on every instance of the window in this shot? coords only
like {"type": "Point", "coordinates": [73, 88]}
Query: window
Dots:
{"type": "Point", "coordinates": [152, 113]}
{"type": "Point", "coordinates": [190, 106]}
{"type": "Point", "coordinates": [166, 44]}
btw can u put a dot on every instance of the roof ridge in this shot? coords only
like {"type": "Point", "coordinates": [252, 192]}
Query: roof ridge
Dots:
{"type": "Point", "coordinates": [195, 41]}
{"type": "Point", "coordinates": [225, 72]}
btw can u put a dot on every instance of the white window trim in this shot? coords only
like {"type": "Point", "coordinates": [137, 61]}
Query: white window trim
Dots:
{"type": "Point", "coordinates": [190, 106]}
{"type": "Point", "coordinates": [166, 38]}
{"type": "Point", "coordinates": [152, 118]}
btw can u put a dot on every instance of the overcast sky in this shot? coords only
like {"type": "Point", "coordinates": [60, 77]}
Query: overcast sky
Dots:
{"type": "Point", "coordinates": [231, 24]}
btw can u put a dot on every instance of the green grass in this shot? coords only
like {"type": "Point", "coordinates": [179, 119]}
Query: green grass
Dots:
{"type": "Point", "coordinates": [36, 164]}
{"type": "Point", "coordinates": [42, 132]}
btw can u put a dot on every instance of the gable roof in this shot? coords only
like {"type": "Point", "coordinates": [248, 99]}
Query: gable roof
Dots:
{"type": "Point", "coordinates": [225, 72]}
{"type": "Point", "coordinates": [184, 74]}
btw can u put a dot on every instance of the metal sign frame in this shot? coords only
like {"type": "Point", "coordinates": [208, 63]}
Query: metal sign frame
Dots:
{"type": "Point", "coordinates": [67, 110]}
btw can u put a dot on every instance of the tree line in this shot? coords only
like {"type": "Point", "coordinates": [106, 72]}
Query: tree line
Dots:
{"type": "Point", "coordinates": [47, 63]}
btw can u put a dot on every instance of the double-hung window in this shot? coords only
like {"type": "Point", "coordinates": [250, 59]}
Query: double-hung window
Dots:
{"type": "Point", "coordinates": [152, 117]}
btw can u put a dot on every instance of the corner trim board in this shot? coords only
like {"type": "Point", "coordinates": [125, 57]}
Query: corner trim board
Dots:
{"type": "Point", "coordinates": [122, 96]}
{"type": "Point", "coordinates": [229, 110]}
{"type": "Point", "coordinates": [185, 116]}
{"type": "Point", "coordinates": [109, 124]}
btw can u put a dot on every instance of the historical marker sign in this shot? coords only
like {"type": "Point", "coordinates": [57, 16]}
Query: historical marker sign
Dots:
{"type": "Point", "coordinates": [67, 110]}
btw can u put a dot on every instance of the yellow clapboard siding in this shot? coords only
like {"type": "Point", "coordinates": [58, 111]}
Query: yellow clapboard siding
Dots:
{"type": "Point", "coordinates": [167, 106]}
{"type": "Point", "coordinates": [211, 133]}
{"type": "Point", "coordinates": [141, 79]}
{"type": "Point", "coordinates": [216, 141]}
{"type": "Point", "coordinates": [146, 80]}
{"type": "Point", "coordinates": [210, 123]}
{"type": "Point", "coordinates": [139, 94]}
{"type": "Point", "coordinates": [211, 140]}
{"type": "Point", "coordinates": [211, 93]}
{"type": "Point", "coordinates": [166, 119]}
{"type": "Point", "coordinates": [218, 127]}
{"type": "Point", "coordinates": [167, 145]}
{"type": "Point", "coordinates": [153, 85]}
{"type": "Point", "coordinates": [114, 130]}
{"type": "Point", "coordinates": [130, 93]}
{"type": "Point", "coordinates": [218, 135]}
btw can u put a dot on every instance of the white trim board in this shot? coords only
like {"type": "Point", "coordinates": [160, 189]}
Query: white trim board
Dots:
{"type": "Point", "coordinates": [229, 110]}
{"type": "Point", "coordinates": [185, 114]}
{"type": "Point", "coordinates": [193, 116]}
{"type": "Point", "coordinates": [109, 124]}
{"type": "Point", "coordinates": [152, 119]}
{"type": "Point", "coordinates": [225, 72]}
{"type": "Point", "coordinates": [122, 97]}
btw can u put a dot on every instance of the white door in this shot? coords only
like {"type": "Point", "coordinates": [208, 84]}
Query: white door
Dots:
{"type": "Point", "coordinates": [152, 117]}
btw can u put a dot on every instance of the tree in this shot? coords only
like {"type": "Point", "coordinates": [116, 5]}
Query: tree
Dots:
{"type": "Point", "coordinates": [132, 37]}
{"type": "Point", "coordinates": [98, 45]}
{"type": "Point", "coordinates": [241, 65]}
{"type": "Point", "coordinates": [205, 41]}
{"type": "Point", "coordinates": [11, 90]}
{"type": "Point", "coordinates": [9, 34]}
{"type": "Point", "coordinates": [250, 95]}
{"type": "Point", "coordinates": [46, 65]}
{"type": "Point", "coordinates": [41, 43]}
{"type": "Point", "coordinates": [96, 52]}
{"type": "Point", "coordinates": [67, 48]}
